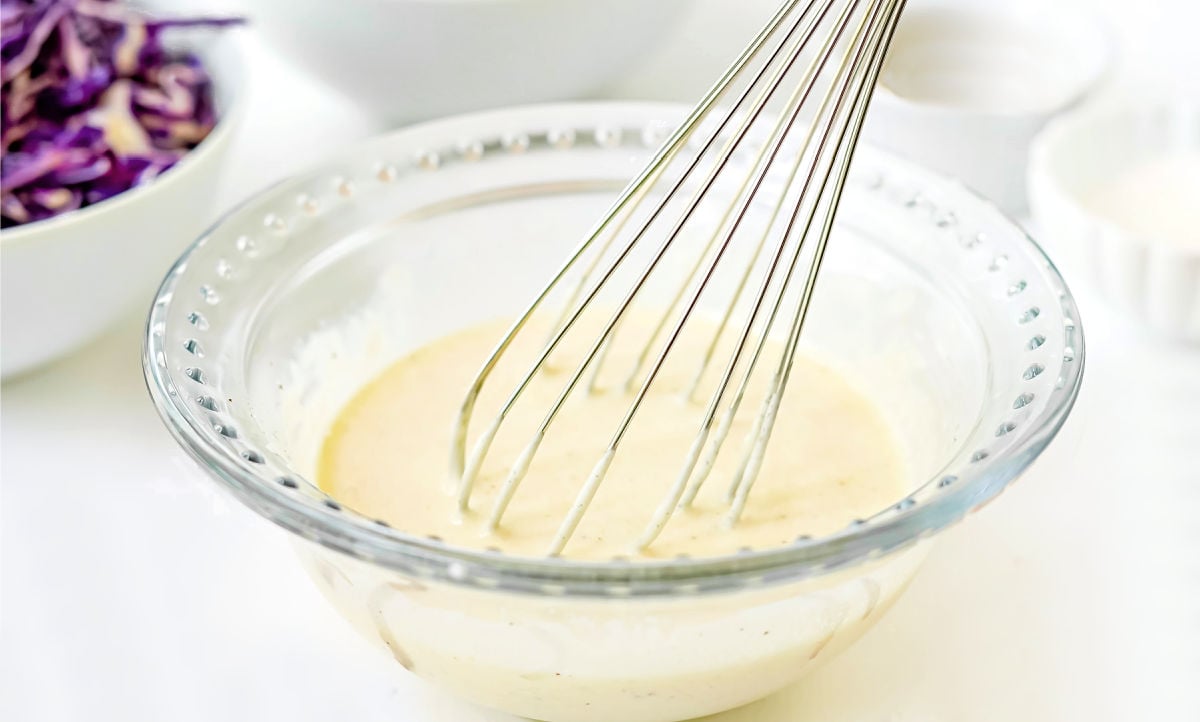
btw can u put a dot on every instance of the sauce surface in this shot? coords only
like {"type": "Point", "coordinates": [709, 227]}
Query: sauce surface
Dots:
{"type": "Point", "coordinates": [1155, 200]}
{"type": "Point", "coordinates": [832, 458]}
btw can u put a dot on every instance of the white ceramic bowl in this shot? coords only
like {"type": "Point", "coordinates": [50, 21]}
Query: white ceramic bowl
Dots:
{"type": "Point", "coordinates": [65, 280]}
{"type": "Point", "coordinates": [1156, 280]}
{"type": "Point", "coordinates": [965, 89]}
{"type": "Point", "coordinates": [412, 60]}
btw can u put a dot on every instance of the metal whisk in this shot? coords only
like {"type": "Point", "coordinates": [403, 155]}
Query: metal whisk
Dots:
{"type": "Point", "coordinates": [799, 155]}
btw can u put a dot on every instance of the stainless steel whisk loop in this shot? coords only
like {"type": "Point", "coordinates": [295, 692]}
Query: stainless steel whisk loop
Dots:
{"type": "Point", "coordinates": [798, 170]}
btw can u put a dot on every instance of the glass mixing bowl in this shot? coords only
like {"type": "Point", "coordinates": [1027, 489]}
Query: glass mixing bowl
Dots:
{"type": "Point", "coordinates": [930, 299]}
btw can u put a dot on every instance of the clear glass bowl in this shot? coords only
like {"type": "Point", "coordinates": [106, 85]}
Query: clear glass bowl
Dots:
{"type": "Point", "coordinates": [935, 303]}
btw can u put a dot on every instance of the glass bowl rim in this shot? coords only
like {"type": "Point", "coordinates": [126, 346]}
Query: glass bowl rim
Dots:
{"type": "Point", "coordinates": [431, 559]}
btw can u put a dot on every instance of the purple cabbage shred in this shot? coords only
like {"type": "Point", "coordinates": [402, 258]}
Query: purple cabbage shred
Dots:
{"type": "Point", "coordinates": [93, 103]}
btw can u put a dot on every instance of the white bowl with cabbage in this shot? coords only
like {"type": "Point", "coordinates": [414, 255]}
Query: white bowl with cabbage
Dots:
{"type": "Point", "coordinates": [114, 130]}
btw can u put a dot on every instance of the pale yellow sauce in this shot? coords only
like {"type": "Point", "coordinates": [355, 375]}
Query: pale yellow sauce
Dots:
{"type": "Point", "coordinates": [1157, 200]}
{"type": "Point", "coordinates": [832, 458]}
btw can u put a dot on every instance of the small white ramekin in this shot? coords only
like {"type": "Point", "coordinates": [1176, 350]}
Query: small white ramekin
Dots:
{"type": "Point", "coordinates": [1155, 280]}
{"type": "Point", "coordinates": [966, 88]}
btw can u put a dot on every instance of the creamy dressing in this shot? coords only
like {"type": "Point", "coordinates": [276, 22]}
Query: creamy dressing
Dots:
{"type": "Point", "coordinates": [1157, 200]}
{"type": "Point", "coordinates": [832, 458]}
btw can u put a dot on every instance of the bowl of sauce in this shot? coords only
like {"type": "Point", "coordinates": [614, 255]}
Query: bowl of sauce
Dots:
{"type": "Point", "coordinates": [317, 377]}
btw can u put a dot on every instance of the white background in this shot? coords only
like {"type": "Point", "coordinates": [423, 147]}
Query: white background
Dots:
{"type": "Point", "coordinates": [131, 589]}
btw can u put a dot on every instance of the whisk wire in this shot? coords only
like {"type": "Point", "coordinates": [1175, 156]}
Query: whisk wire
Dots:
{"type": "Point", "coordinates": [727, 420]}
{"type": "Point", "coordinates": [465, 470]}
{"type": "Point", "coordinates": [836, 126]}
{"type": "Point", "coordinates": [518, 471]}
{"type": "Point", "coordinates": [723, 229]}
{"type": "Point", "coordinates": [521, 468]}
{"type": "Point", "coordinates": [775, 143]}
{"type": "Point", "coordinates": [874, 64]}
{"type": "Point", "coordinates": [468, 472]}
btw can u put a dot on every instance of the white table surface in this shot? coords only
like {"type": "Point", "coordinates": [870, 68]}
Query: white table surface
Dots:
{"type": "Point", "coordinates": [132, 589]}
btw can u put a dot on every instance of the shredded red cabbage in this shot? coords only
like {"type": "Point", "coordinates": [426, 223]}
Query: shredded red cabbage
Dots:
{"type": "Point", "coordinates": [93, 103]}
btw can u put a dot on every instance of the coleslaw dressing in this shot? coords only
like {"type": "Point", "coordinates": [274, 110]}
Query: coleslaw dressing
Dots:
{"type": "Point", "coordinates": [832, 458]}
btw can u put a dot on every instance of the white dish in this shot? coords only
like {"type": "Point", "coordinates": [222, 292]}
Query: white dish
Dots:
{"type": "Point", "coordinates": [65, 280]}
{"type": "Point", "coordinates": [1154, 279]}
{"type": "Point", "coordinates": [412, 60]}
{"type": "Point", "coordinates": [965, 89]}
